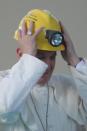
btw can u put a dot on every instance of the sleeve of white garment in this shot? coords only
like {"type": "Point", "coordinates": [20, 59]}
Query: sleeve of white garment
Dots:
{"type": "Point", "coordinates": [15, 87]}
{"type": "Point", "coordinates": [79, 73]}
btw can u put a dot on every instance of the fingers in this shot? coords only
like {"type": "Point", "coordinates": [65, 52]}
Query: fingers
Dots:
{"type": "Point", "coordinates": [38, 31]}
{"type": "Point", "coordinates": [24, 31]}
{"type": "Point", "coordinates": [61, 26]}
{"type": "Point", "coordinates": [24, 28]}
{"type": "Point", "coordinates": [65, 34]}
{"type": "Point", "coordinates": [63, 29]}
{"type": "Point", "coordinates": [19, 33]}
{"type": "Point", "coordinates": [31, 27]}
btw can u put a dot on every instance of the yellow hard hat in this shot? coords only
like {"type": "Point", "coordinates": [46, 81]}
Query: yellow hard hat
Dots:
{"type": "Point", "coordinates": [42, 18]}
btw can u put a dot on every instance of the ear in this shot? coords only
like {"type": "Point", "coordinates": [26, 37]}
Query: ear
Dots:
{"type": "Point", "coordinates": [19, 52]}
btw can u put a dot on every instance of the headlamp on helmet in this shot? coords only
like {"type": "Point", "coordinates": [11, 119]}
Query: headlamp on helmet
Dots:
{"type": "Point", "coordinates": [55, 38]}
{"type": "Point", "coordinates": [52, 38]}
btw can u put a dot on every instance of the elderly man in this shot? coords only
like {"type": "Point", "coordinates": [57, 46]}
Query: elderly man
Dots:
{"type": "Point", "coordinates": [31, 98]}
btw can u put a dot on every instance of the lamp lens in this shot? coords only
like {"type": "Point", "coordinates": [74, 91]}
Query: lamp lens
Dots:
{"type": "Point", "coordinates": [56, 39]}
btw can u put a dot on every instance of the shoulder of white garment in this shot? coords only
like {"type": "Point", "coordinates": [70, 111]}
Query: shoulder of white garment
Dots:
{"type": "Point", "coordinates": [4, 73]}
{"type": "Point", "coordinates": [58, 80]}
{"type": "Point", "coordinates": [33, 58]}
{"type": "Point", "coordinates": [25, 58]}
{"type": "Point", "coordinates": [82, 63]}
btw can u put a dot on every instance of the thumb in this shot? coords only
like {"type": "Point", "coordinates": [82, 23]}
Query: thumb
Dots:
{"type": "Point", "coordinates": [37, 32]}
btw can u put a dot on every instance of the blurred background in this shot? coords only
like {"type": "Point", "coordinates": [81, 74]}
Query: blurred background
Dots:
{"type": "Point", "coordinates": [72, 13]}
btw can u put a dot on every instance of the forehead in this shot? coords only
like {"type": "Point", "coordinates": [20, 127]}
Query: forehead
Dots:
{"type": "Point", "coordinates": [46, 53]}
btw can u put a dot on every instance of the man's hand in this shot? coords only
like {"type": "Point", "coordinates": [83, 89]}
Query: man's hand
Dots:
{"type": "Point", "coordinates": [69, 54]}
{"type": "Point", "coordinates": [27, 39]}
